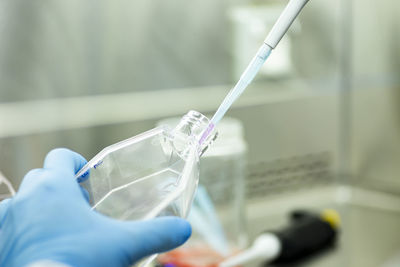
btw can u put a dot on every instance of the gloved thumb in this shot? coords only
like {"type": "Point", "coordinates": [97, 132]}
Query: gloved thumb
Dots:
{"type": "Point", "coordinates": [148, 237]}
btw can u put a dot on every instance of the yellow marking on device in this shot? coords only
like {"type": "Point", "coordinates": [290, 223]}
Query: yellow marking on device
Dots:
{"type": "Point", "coordinates": [332, 217]}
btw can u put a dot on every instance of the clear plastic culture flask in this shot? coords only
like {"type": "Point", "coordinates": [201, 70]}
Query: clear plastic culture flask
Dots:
{"type": "Point", "coordinates": [152, 174]}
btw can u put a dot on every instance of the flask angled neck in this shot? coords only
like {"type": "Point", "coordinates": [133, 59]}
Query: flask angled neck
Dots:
{"type": "Point", "coordinates": [193, 129]}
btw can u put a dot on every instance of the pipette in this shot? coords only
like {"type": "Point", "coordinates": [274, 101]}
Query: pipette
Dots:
{"type": "Point", "coordinates": [308, 233]}
{"type": "Point", "coordinates": [279, 29]}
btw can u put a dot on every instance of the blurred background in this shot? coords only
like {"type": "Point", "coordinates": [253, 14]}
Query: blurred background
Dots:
{"type": "Point", "coordinates": [321, 121]}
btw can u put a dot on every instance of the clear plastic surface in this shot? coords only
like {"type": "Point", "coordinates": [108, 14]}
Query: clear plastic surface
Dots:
{"type": "Point", "coordinates": [152, 174]}
{"type": "Point", "coordinates": [217, 214]}
{"type": "Point", "coordinates": [149, 175]}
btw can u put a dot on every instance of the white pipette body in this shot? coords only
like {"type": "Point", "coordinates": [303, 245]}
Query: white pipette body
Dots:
{"type": "Point", "coordinates": [284, 21]}
{"type": "Point", "coordinates": [279, 29]}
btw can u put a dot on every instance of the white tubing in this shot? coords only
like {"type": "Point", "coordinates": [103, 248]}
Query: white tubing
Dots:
{"type": "Point", "coordinates": [286, 19]}
{"type": "Point", "coordinates": [265, 248]}
{"type": "Point", "coordinates": [4, 180]}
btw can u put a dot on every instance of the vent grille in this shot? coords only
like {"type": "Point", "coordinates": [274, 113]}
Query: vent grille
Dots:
{"type": "Point", "coordinates": [288, 174]}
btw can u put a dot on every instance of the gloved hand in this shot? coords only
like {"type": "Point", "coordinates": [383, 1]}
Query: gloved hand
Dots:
{"type": "Point", "coordinates": [49, 218]}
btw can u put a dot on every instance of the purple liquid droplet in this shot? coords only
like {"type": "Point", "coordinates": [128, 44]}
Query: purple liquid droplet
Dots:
{"type": "Point", "coordinates": [206, 133]}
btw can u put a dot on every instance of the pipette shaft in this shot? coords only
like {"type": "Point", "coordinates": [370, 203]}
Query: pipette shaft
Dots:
{"type": "Point", "coordinates": [279, 29]}
{"type": "Point", "coordinates": [246, 78]}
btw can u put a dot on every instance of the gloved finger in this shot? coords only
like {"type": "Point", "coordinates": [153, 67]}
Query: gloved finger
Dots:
{"type": "Point", "coordinates": [3, 209]}
{"type": "Point", "coordinates": [85, 194]}
{"type": "Point", "coordinates": [154, 236]}
{"type": "Point", "coordinates": [64, 160]}
{"type": "Point", "coordinates": [31, 178]}
{"type": "Point", "coordinates": [59, 163]}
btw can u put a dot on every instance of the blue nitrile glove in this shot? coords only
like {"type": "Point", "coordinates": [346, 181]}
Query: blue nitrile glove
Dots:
{"type": "Point", "coordinates": [49, 218]}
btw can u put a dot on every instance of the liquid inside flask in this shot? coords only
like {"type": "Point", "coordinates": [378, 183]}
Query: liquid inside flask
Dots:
{"type": "Point", "coordinates": [149, 175]}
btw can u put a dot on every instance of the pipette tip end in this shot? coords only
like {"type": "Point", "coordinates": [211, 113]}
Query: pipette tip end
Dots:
{"type": "Point", "coordinates": [206, 133]}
